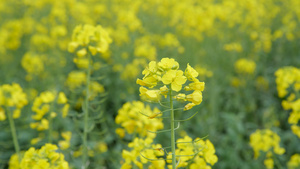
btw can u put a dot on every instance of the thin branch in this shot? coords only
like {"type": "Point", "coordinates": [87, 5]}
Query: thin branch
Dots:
{"type": "Point", "coordinates": [190, 154]}
{"type": "Point", "coordinates": [178, 162]}
{"type": "Point", "coordinates": [99, 133]}
{"type": "Point", "coordinates": [153, 159]}
{"type": "Point", "coordinates": [188, 118]}
{"type": "Point", "coordinates": [95, 109]}
{"type": "Point", "coordinates": [195, 141]}
{"type": "Point", "coordinates": [98, 101]}
{"type": "Point", "coordinates": [162, 131]}
{"type": "Point", "coordinates": [97, 78]}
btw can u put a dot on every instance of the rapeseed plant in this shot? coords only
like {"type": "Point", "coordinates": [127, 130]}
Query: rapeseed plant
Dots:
{"type": "Point", "coordinates": [288, 85]}
{"type": "Point", "coordinates": [12, 98]}
{"type": "Point", "coordinates": [167, 74]}
{"type": "Point", "coordinates": [87, 41]}
{"type": "Point", "coordinates": [294, 162]}
{"type": "Point", "coordinates": [268, 142]}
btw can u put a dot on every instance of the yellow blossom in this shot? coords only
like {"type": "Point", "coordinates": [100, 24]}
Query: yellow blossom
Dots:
{"type": "Point", "coordinates": [167, 64]}
{"type": "Point", "coordinates": [269, 163]}
{"type": "Point", "coordinates": [120, 132]}
{"type": "Point", "coordinates": [62, 99]}
{"type": "Point", "coordinates": [294, 162]}
{"type": "Point", "coordinates": [175, 78]}
{"type": "Point", "coordinates": [196, 85]}
{"type": "Point", "coordinates": [265, 140]}
{"type": "Point", "coordinates": [46, 158]}
{"type": "Point", "coordinates": [195, 97]}
{"type": "Point", "coordinates": [190, 73]}
{"type": "Point", "coordinates": [245, 66]}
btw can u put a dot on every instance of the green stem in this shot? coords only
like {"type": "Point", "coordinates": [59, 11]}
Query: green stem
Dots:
{"type": "Point", "coordinates": [50, 119]}
{"type": "Point", "coordinates": [50, 124]}
{"type": "Point", "coordinates": [50, 129]}
{"type": "Point", "coordinates": [13, 132]}
{"type": "Point", "coordinates": [297, 93]}
{"type": "Point", "coordinates": [172, 131]}
{"type": "Point", "coordinates": [86, 115]}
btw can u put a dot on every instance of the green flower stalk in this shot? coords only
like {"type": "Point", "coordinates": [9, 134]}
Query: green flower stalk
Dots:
{"type": "Point", "coordinates": [173, 147]}
{"type": "Point", "coordinates": [13, 133]}
{"type": "Point", "coordinates": [86, 114]}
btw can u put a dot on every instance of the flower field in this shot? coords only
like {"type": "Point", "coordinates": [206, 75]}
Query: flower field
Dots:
{"type": "Point", "coordinates": [132, 84]}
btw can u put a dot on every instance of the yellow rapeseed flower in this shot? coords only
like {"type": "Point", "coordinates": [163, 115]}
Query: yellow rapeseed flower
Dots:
{"type": "Point", "coordinates": [46, 158]}
{"type": "Point", "coordinates": [245, 66]}
{"type": "Point", "coordinates": [12, 96]}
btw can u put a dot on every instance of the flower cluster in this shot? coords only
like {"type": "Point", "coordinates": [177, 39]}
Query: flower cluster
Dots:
{"type": "Point", "coordinates": [95, 89]}
{"type": "Point", "coordinates": [35, 140]}
{"type": "Point", "coordinates": [143, 149]}
{"type": "Point", "coordinates": [285, 78]}
{"type": "Point", "coordinates": [268, 142]}
{"type": "Point", "coordinates": [237, 47]}
{"type": "Point", "coordinates": [237, 82]}
{"type": "Point", "coordinates": [12, 97]}
{"type": "Point", "coordinates": [288, 84]}
{"type": "Point", "coordinates": [144, 48]}
{"type": "Point", "coordinates": [262, 83]}
{"type": "Point", "coordinates": [33, 64]}
{"type": "Point", "coordinates": [102, 147]}
{"type": "Point", "coordinates": [166, 72]}
{"type": "Point", "coordinates": [294, 162]}
{"type": "Point", "coordinates": [65, 144]}
{"type": "Point", "coordinates": [46, 158]}
{"type": "Point", "coordinates": [131, 70]}
{"type": "Point", "coordinates": [43, 105]}
{"type": "Point", "coordinates": [170, 40]}
{"type": "Point", "coordinates": [203, 72]}
{"type": "Point", "coordinates": [201, 152]}
{"type": "Point", "coordinates": [88, 38]}
{"type": "Point", "coordinates": [135, 117]}
{"type": "Point", "coordinates": [245, 66]}
{"type": "Point", "coordinates": [76, 79]}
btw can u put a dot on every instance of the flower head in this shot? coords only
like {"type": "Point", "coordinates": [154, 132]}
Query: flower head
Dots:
{"type": "Point", "coordinates": [12, 96]}
{"type": "Point", "coordinates": [46, 157]}
{"type": "Point", "coordinates": [167, 73]}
